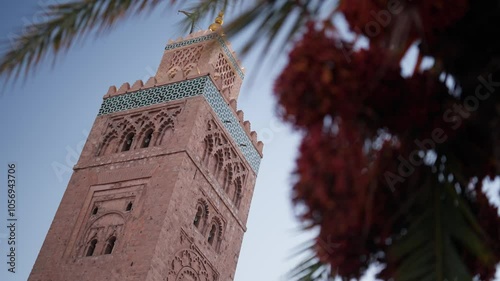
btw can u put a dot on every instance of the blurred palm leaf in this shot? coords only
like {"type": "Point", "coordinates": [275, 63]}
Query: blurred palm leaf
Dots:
{"type": "Point", "coordinates": [440, 231]}
{"type": "Point", "coordinates": [310, 268]}
{"type": "Point", "coordinates": [269, 18]}
{"type": "Point", "coordinates": [71, 21]}
{"type": "Point", "coordinates": [64, 25]}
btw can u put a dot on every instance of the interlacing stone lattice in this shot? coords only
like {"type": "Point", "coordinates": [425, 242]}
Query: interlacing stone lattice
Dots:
{"type": "Point", "coordinates": [208, 37]}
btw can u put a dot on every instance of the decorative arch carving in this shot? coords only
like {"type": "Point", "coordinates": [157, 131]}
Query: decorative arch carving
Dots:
{"type": "Point", "coordinates": [228, 176]}
{"type": "Point", "coordinates": [124, 124]}
{"type": "Point", "coordinates": [189, 265]}
{"type": "Point", "coordinates": [174, 71]}
{"type": "Point", "coordinates": [187, 274]}
{"type": "Point", "coordinates": [128, 134]}
{"type": "Point", "coordinates": [183, 61]}
{"type": "Point", "coordinates": [225, 72]}
{"type": "Point", "coordinates": [208, 148]}
{"type": "Point", "coordinates": [240, 176]}
{"type": "Point", "coordinates": [203, 203]}
{"type": "Point", "coordinates": [189, 67]}
{"type": "Point", "coordinates": [102, 228]}
{"type": "Point", "coordinates": [218, 162]}
{"type": "Point", "coordinates": [165, 122]}
{"type": "Point", "coordinates": [166, 128]}
{"type": "Point", "coordinates": [90, 247]}
{"type": "Point", "coordinates": [238, 184]}
{"type": "Point", "coordinates": [221, 140]}
{"type": "Point", "coordinates": [219, 223]}
{"type": "Point", "coordinates": [161, 117]}
{"type": "Point", "coordinates": [109, 143]}
{"type": "Point", "coordinates": [200, 219]}
{"type": "Point", "coordinates": [219, 229]}
{"type": "Point", "coordinates": [108, 218]}
{"type": "Point", "coordinates": [223, 162]}
{"type": "Point", "coordinates": [146, 128]}
{"type": "Point", "coordinates": [161, 122]}
{"type": "Point", "coordinates": [142, 120]}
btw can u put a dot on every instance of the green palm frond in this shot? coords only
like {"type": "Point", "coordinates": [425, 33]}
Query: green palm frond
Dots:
{"type": "Point", "coordinates": [437, 237]}
{"type": "Point", "coordinates": [203, 9]}
{"type": "Point", "coordinates": [64, 25]}
{"type": "Point", "coordinates": [276, 22]}
{"type": "Point", "coordinates": [442, 233]}
{"type": "Point", "coordinates": [310, 268]}
{"type": "Point", "coordinates": [271, 23]}
{"type": "Point", "coordinates": [268, 18]}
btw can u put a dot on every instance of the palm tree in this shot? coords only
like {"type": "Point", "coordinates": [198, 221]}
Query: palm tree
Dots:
{"type": "Point", "coordinates": [391, 166]}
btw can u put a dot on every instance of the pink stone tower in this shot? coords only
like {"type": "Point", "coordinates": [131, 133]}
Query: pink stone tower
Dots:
{"type": "Point", "coordinates": [164, 183]}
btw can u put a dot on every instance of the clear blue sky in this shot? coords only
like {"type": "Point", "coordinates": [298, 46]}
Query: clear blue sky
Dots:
{"type": "Point", "coordinates": [45, 121]}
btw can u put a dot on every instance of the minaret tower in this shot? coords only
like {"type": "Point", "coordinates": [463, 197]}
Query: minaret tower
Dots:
{"type": "Point", "coordinates": [163, 186]}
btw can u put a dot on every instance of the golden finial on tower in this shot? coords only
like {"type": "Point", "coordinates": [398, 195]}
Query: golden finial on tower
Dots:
{"type": "Point", "coordinates": [219, 20]}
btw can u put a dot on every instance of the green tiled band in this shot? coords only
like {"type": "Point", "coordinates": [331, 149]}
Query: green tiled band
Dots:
{"type": "Point", "coordinates": [184, 89]}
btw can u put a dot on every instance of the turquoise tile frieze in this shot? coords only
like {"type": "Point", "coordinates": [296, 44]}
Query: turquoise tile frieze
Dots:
{"type": "Point", "coordinates": [191, 41]}
{"type": "Point", "coordinates": [208, 37]}
{"type": "Point", "coordinates": [170, 92]}
{"type": "Point", "coordinates": [184, 89]}
{"type": "Point", "coordinates": [232, 125]}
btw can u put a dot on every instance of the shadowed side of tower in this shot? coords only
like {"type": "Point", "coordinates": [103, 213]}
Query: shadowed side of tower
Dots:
{"type": "Point", "coordinates": [164, 183]}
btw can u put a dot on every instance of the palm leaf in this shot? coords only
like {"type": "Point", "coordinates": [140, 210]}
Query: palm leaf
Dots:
{"type": "Point", "coordinates": [310, 268]}
{"type": "Point", "coordinates": [272, 23]}
{"type": "Point", "coordinates": [202, 9]}
{"type": "Point", "coordinates": [276, 22]}
{"type": "Point", "coordinates": [65, 24]}
{"type": "Point", "coordinates": [268, 18]}
{"type": "Point", "coordinates": [441, 229]}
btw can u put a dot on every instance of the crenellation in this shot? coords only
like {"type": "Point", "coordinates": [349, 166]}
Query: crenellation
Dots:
{"type": "Point", "coordinates": [123, 89]}
{"type": "Point", "coordinates": [137, 86]}
{"type": "Point", "coordinates": [246, 126]}
{"type": "Point", "coordinates": [150, 83]}
{"type": "Point", "coordinates": [240, 116]}
{"type": "Point", "coordinates": [253, 137]}
{"type": "Point", "coordinates": [111, 91]}
{"type": "Point", "coordinates": [260, 147]}
{"type": "Point", "coordinates": [233, 104]}
{"type": "Point", "coordinates": [126, 88]}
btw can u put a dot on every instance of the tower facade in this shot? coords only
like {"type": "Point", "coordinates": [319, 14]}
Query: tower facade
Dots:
{"type": "Point", "coordinates": [163, 186]}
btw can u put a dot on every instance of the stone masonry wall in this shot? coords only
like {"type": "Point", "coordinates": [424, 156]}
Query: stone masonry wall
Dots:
{"type": "Point", "coordinates": [164, 183]}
